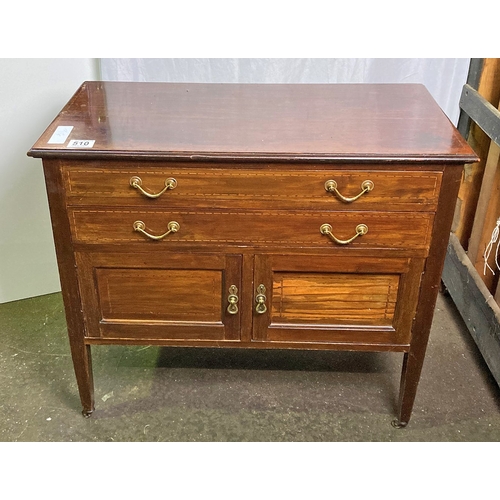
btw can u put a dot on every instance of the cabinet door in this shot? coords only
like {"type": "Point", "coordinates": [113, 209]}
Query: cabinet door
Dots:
{"type": "Point", "coordinates": [160, 295]}
{"type": "Point", "coordinates": [337, 299]}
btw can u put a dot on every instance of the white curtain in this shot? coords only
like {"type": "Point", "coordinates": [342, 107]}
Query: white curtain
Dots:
{"type": "Point", "coordinates": [443, 78]}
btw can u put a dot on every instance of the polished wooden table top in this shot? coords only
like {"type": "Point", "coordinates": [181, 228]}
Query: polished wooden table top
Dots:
{"type": "Point", "coordinates": [310, 122]}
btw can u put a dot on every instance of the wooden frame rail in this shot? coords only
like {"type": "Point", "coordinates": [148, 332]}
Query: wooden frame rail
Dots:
{"type": "Point", "coordinates": [474, 288]}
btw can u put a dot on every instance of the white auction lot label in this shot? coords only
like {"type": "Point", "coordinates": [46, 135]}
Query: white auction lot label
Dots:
{"type": "Point", "coordinates": [60, 134]}
{"type": "Point", "coordinates": [79, 143]}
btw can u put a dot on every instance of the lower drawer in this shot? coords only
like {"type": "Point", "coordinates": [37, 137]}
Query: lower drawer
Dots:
{"type": "Point", "coordinates": [384, 230]}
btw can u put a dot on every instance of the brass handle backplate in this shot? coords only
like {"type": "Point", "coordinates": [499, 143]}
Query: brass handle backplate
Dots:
{"type": "Point", "coordinates": [331, 187]}
{"type": "Point", "coordinates": [136, 182]}
{"type": "Point", "coordinates": [139, 226]}
{"type": "Point", "coordinates": [232, 308]}
{"type": "Point", "coordinates": [260, 298]}
{"type": "Point", "coordinates": [326, 229]}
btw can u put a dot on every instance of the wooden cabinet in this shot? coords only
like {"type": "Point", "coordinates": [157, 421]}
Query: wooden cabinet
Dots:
{"type": "Point", "coordinates": [253, 216]}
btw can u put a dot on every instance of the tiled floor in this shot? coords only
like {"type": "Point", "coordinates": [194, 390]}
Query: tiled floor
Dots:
{"type": "Point", "coordinates": [183, 394]}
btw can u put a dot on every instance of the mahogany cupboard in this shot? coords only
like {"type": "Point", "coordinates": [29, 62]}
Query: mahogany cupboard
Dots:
{"type": "Point", "coordinates": [255, 216]}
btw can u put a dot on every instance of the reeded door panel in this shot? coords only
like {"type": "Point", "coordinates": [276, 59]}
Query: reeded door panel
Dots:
{"type": "Point", "coordinates": [335, 299]}
{"type": "Point", "coordinates": [167, 296]}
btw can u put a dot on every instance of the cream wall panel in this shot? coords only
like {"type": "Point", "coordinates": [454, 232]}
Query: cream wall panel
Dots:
{"type": "Point", "coordinates": [32, 92]}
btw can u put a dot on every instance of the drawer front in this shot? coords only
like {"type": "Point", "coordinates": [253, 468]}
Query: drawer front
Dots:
{"type": "Point", "coordinates": [253, 188]}
{"type": "Point", "coordinates": [253, 228]}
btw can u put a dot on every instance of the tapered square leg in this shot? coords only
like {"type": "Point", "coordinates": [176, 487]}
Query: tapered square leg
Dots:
{"type": "Point", "coordinates": [82, 361]}
{"type": "Point", "coordinates": [410, 375]}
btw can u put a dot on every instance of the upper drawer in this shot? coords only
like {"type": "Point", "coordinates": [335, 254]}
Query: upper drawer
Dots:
{"type": "Point", "coordinates": [280, 188]}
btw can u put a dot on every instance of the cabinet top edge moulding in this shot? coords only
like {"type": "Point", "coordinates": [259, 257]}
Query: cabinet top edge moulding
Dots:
{"type": "Point", "coordinates": [254, 122]}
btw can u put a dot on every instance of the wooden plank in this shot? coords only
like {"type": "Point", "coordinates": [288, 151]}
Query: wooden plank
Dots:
{"type": "Point", "coordinates": [475, 303]}
{"type": "Point", "coordinates": [473, 79]}
{"type": "Point", "coordinates": [487, 213]}
{"type": "Point", "coordinates": [489, 88]}
{"type": "Point", "coordinates": [482, 112]}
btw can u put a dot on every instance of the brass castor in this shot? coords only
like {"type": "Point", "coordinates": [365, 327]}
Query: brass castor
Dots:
{"type": "Point", "coordinates": [398, 425]}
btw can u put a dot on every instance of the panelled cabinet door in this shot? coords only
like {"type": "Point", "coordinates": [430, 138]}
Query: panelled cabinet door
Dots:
{"type": "Point", "coordinates": [336, 299]}
{"type": "Point", "coordinates": [163, 295]}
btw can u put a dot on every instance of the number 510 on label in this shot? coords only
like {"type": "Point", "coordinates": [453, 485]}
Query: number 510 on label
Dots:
{"type": "Point", "coordinates": [77, 143]}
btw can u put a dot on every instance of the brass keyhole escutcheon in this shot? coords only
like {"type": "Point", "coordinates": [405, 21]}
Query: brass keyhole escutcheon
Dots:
{"type": "Point", "coordinates": [260, 298]}
{"type": "Point", "coordinates": [232, 308]}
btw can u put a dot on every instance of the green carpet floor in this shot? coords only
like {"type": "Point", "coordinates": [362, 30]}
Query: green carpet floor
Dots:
{"type": "Point", "coordinates": [184, 394]}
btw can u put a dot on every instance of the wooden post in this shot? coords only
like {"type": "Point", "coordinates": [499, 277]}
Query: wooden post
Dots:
{"type": "Point", "coordinates": [489, 88]}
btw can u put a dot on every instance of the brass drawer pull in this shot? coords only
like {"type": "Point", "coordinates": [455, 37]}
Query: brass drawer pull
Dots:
{"type": "Point", "coordinates": [326, 229]}
{"type": "Point", "coordinates": [136, 182]}
{"type": "Point", "coordinates": [232, 308]}
{"type": "Point", "coordinates": [331, 187]}
{"type": "Point", "coordinates": [139, 226]}
{"type": "Point", "coordinates": [260, 298]}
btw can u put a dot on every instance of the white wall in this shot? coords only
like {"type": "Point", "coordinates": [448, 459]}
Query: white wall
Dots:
{"type": "Point", "coordinates": [32, 92]}
{"type": "Point", "coordinates": [444, 78]}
